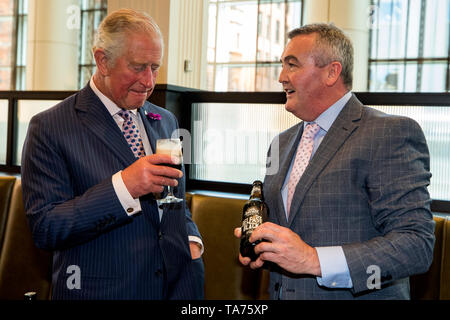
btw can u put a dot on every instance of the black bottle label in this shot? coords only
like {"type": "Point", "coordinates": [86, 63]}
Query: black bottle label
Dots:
{"type": "Point", "coordinates": [252, 219]}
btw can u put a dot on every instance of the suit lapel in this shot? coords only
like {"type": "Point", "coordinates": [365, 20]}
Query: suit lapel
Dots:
{"type": "Point", "coordinates": [94, 115]}
{"type": "Point", "coordinates": [151, 128]}
{"type": "Point", "coordinates": [344, 125]}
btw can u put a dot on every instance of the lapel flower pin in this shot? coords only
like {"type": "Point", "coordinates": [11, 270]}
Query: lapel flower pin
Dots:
{"type": "Point", "coordinates": [153, 116]}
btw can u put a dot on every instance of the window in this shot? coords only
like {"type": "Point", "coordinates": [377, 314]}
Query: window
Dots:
{"type": "Point", "coordinates": [230, 140]}
{"type": "Point", "coordinates": [435, 123]}
{"type": "Point", "coordinates": [409, 46]}
{"type": "Point", "coordinates": [7, 26]}
{"type": "Point", "coordinates": [13, 44]}
{"type": "Point", "coordinates": [92, 13]}
{"type": "Point", "coordinates": [245, 42]}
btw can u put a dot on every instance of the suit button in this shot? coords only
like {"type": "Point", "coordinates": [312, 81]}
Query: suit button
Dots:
{"type": "Point", "coordinates": [160, 235]}
{"type": "Point", "coordinates": [158, 272]}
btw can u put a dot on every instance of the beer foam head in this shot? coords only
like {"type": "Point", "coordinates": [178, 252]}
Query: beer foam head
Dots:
{"type": "Point", "coordinates": [171, 147]}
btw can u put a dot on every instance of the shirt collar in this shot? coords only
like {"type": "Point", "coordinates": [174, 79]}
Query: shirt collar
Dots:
{"type": "Point", "coordinates": [109, 104]}
{"type": "Point", "coordinates": [326, 119]}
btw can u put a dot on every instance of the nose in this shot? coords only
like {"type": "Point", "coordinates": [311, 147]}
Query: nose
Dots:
{"type": "Point", "coordinates": [148, 77]}
{"type": "Point", "coordinates": [282, 77]}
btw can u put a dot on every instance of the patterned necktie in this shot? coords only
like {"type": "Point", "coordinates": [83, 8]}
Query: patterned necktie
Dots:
{"type": "Point", "coordinates": [302, 157]}
{"type": "Point", "coordinates": [131, 134]}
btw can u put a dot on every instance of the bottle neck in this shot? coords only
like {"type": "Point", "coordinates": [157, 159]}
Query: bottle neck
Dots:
{"type": "Point", "coordinates": [256, 192]}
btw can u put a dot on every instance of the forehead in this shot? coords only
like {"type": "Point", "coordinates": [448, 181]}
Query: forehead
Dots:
{"type": "Point", "coordinates": [143, 48]}
{"type": "Point", "coordinates": [299, 46]}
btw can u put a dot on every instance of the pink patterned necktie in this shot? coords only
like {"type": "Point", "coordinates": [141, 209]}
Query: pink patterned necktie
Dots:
{"type": "Point", "coordinates": [302, 157]}
{"type": "Point", "coordinates": [131, 134]}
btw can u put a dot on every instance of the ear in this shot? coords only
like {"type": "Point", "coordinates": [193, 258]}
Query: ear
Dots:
{"type": "Point", "coordinates": [334, 72]}
{"type": "Point", "coordinates": [101, 60]}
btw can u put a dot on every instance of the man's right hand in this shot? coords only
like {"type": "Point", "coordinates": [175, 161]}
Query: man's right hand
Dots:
{"type": "Point", "coordinates": [149, 175]}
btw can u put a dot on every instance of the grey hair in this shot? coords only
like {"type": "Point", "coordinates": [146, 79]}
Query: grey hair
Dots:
{"type": "Point", "coordinates": [331, 45]}
{"type": "Point", "coordinates": [113, 30]}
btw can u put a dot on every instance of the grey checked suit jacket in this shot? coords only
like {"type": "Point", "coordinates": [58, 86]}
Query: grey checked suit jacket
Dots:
{"type": "Point", "coordinates": [365, 189]}
{"type": "Point", "coordinates": [69, 156]}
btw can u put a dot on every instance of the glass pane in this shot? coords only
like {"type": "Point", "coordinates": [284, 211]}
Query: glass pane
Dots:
{"type": "Point", "coordinates": [387, 77]}
{"type": "Point", "coordinates": [382, 27]}
{"type": "Point", "coordinates": [85, 75]}
{"type": "Point", "coordinates": [26, 109]}
{"type": "Point", "coordinates": [235, 78]}
{"type": "Point", "coordinates": [230, 141]}
{"type": "Point", "coordinates": [210, 77]}
{"type": "Point", "coordinates": [293, 16]}
{"type": "Point", "coordinates": [7, 8]}
{"type": "Point", "coordinates": [267, 78]}
{"type": "Point", "coordinates": [6, 28]}
{"type": "Point", "coordinates": [3, 129]}
{"type": "Point", "coordinates": [436, 23]}
{"type": "Point", "coordinates": [433, 77]}
{"type": "Point", "coordinates": [412, 50]}
{"type": "Point", "coordinates": [5, 78]}
{"type": "Point", "coordinates": [236, 32]}
{"type": "Point", "coordinates": [246, 34]}
{"type": "Point", "coordinates": [93, 4]}
{"type": "Point", "coordinates": [211, 32]}
{"type": "Point", "coordinates": [435, 122]}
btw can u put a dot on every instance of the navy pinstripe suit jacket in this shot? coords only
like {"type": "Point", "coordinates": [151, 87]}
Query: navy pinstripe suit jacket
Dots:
{"type": "Point", "coordinates": [70, 153]}
{"type": "Point", "coordinates": [365, 189]}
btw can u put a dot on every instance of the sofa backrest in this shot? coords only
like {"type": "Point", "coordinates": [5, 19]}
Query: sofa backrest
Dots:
{"type": "Point", "coordinates": [23, 267]}
{"type": "Point", "coordinates": [225, 277]}
{"type": "Point", "coordinates": [6, 187]}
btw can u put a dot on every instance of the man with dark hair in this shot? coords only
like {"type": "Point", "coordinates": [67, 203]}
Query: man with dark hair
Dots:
{"type": "Point", "coordinates": [349, 208]}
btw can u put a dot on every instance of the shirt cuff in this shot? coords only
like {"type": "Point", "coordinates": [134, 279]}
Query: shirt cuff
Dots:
{"type": "Point", "coordinates": [334, 268]}
{"type": "Point", "coordinates": [199, 241]}
{"type": "Point", "coordinates": [129, 204]}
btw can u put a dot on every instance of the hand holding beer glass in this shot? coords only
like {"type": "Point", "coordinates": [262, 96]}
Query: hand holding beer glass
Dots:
{"type": "Point", "coordinates": [170, 147]}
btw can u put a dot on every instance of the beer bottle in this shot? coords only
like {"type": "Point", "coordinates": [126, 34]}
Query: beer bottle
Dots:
{"type": "Point", "coordinates": [255, 213]}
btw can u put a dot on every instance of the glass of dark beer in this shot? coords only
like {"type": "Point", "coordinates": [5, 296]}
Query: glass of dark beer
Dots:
{"type": "Point", "coordinates": [173, 148]}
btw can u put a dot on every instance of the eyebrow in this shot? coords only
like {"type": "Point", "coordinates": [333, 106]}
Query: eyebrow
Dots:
{"type": "Point", "coordinates": [287, 58]}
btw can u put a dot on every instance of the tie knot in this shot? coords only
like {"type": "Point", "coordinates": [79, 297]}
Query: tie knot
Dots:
{"type": "Point", "coordinates": [124, 114]}
{"type": "Point", "coordinates": [311, 130]}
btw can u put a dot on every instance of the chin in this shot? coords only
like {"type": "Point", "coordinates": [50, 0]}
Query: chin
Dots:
{"type": "Point", "coordinates": [137, 103]}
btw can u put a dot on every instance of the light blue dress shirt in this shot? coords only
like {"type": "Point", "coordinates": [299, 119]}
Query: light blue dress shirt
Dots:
{"type": "Point", "coordinates": [334, 267]}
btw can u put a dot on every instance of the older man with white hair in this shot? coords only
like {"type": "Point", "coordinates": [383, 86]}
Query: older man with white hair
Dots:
{"type": "Point", "coordinates": [90, 175]}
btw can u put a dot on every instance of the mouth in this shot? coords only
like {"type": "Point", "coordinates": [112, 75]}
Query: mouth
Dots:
{"type": "Point", "coordinates": [289, 92]}
{"type": "Point", "coordinates": [140, 92]}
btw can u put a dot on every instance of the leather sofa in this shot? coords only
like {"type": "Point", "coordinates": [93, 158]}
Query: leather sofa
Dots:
{"type": "Point", "coordinates": [25, 268]}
